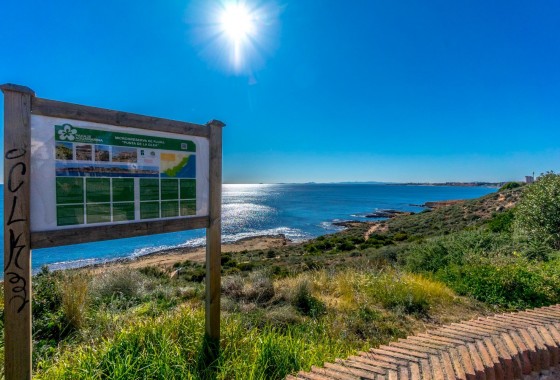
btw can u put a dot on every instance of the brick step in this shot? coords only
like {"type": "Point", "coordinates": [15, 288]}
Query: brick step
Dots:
{"type": "Point", "coordinates": [523, 345]}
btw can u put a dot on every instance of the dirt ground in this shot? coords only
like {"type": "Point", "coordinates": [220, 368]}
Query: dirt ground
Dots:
{"type": "Point", "coordinates": [166, 259]}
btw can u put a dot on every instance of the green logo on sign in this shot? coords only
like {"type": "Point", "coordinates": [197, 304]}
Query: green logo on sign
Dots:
{"type": "Point", "coordinates": [67, 132]}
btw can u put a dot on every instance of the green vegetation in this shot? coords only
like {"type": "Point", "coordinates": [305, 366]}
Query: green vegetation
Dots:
{"type": "Point", "coordinates": [538, 216]}
{"type": "Point", "coordinates": [510, 185]}
{"type": "Point", "coordinates": [288, 308]}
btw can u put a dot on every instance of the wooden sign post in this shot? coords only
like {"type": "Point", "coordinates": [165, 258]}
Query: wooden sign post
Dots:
{"type": "Point", "coordinates": [17, 241]}
{"type": "Point", "coordinates": [102, 175]}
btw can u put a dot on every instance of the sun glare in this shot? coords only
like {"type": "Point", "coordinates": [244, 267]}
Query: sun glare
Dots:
{"type": "Point", "coordinates": [237, 22]}
{"type": "Point", "coordinates": [237, 34]}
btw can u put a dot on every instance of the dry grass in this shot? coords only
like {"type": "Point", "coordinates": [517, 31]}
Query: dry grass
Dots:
{"type": "Point", "coordinates": [74, 294]}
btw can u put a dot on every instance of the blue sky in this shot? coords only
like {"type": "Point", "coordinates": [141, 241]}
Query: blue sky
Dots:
{"type": "Point", "coordinates": [327, 91]}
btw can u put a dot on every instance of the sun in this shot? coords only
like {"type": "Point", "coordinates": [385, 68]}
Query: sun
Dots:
{"type": "Point", "coordinates": [237, 22]}
{"type": "Point", "coordinates": [237, 35]}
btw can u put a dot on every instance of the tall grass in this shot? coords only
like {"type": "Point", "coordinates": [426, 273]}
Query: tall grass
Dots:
{"type": "Point", "coordinates": [74, 292]}
{"type": "Point", "coordinates": [169, 347]}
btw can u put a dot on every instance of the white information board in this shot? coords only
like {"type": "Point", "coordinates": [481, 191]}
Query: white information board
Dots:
{"type": "Point", "coordinates": [87, 174]}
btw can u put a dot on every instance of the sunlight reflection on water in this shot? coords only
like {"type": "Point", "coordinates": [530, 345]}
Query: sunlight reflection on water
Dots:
{"type": "Point", "coordinates": [299, 211]}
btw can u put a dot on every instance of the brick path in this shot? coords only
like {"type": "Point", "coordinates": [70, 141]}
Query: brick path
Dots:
{"type": "Point", "coordinates": [523, 345]}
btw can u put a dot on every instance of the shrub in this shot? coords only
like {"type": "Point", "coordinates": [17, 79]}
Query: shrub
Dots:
{"type": "Point", "coordinates": [283, 316]}
{"type": "Point", "coordinates": [232, 286]}
{"type": "Point", "coordinates": [367, 323]}
{"type": "Point", "coordinates": [408, 293]}
{"type": "Point", "coordinates": [246, 267]}
{"type": "Point", "coordinates": [502, 222]}
{"type": "Point", "coordinates": [538, 213]}
{"type": "Point", "coordinates": [123, 283]}
{"type": "Point", "coordinates": [458, 248]}
{"type": "Point", "coordinates": [516, 285]}
{"type": "Point", "coordinates": [510, 185]}
{"type": "Point", "coordinates": [153, 271]}
{"type": "Point", "coordinates": [49, 323]}
{"type": "Point", "coordinates": [74, 291]}
{"type": "Point", "coordinates": [305, 302]}
{"type": "Point", "coordinates": [345, 245]}
{"type": "Point", "coordinates": [259, 288]}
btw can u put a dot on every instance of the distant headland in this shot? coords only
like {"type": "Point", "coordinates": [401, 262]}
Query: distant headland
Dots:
{"type": "Point", "coordinates": [462, 184]}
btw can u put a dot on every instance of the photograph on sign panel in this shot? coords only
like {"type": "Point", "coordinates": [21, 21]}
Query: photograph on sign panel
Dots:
{"type": "Point", "coordinates": [123, 154]}
{"type": "Point", "coordinates": [64, 151]}
{"type": "Point", "coordinates": [83, 152]}
{"type": "Point", "coordinates": [102, 152]}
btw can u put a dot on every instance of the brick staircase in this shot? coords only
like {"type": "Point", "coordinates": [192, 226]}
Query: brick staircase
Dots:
{"type": "Point", "coordinates": [523, 345]}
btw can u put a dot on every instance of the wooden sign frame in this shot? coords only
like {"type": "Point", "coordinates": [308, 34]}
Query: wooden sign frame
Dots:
{"type": "Point", "coordinates": [20, 103]}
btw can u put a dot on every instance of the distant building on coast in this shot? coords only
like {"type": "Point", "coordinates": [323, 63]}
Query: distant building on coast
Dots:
{"type": "Point", "coordinates": [529, 179]}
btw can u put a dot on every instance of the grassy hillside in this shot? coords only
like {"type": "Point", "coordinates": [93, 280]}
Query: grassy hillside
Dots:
{"type": "Point", "coordinates": [288, 308]}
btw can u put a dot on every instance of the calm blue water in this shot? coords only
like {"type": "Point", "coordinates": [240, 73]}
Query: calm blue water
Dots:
{"type": "Point", "coordinates": [299, 211]}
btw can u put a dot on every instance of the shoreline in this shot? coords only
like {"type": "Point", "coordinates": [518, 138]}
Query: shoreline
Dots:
{"type": "Point", "coordinates": [166, 258]}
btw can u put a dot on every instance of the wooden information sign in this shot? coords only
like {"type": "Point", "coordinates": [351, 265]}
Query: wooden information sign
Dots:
{"type": "Point", "coordinates": [76, 174]}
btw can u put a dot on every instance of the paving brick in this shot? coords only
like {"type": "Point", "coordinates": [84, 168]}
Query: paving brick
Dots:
{"type": "Point", "coordinates": [463, 331]}
{"type": "Point", "coordinates": [493, 323]}
{"type": "Point", "coordinates": [425, 369]}
{"type": "Point", "coordinates": [551, 345]}
{"type": "Point", "coordinates": [404, 374]}
{"type": "Point", "coordinates": [457, 364]}
{"type": "Point", "coordinates": [442, 339]}
{"type": "Point", "coordinates": [414, 371]}
{"type": "Point", "coordinates": [392, 375]}
{"type": "Point", "coordinates": [517, 347]}
{"type": "Point", "coordinates": [531, 333]}
{"type": "Point", "coordinates": [499, 371]}
{"type": "Point", "coordinates": [540, 315]}
{"type": "Point", "coordinates": [511, 363]}
{"type": "Point", "coordinates": [437, 368]}
{"type": "Point", "coordinates": [421, 342]}
{"type": "Point", "coordinates": [477, 362]}
{"type": "Point", "coordinates": [311, 376]}
{"type": "Point", "coordinates": [490, 329]}
{"type": "Point", "coordinates": [413, 347]}
{"type": "Point", "coordinates": [353, 364]}
{"type": "Point", "coordinates": [480, 332]}
{"type": "Point", "coordinates": [434, 339]}
{"type": "Point", "coordinates": [381, 361]}
{"type": "Point", "coordinates": [551, 313]}
{"type": "Point", "coordinates": [452, 335]}
{"type": "Point", "coordinates": [467, 363]}
{"type": "Point", "coordinates": [552, 309]}
{"type": "Point", "coordinates": [331, 374]}
{"type": "Point", "coordinates": [554, 333]}
{"type": "Point", "coordinates": [373, 362]}
{"type": "Point", "coordinates": [527, 319]}
{"type": "Point", "coordinates": [393, 355]}
{"type": "Point", "coordinates": [534, 353]}
{"type": "Point", "coordinates": [487, 362]}
{"type": "Point", "coordinates": [404, 351]}
{"type": "Point", "coordinates": [514, 323]}
{"type": "Point", "coordinates": [361, 374]}
{"type": "Point", "coordinates": [447, 365]}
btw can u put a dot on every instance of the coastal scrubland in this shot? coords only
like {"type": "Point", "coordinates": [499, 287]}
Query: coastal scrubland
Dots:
{"type": "Point", "coordinates": [290, 307]}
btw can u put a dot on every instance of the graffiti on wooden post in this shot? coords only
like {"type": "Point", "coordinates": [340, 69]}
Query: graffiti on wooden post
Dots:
{"type": "Point", "coordinates": [17, 168]}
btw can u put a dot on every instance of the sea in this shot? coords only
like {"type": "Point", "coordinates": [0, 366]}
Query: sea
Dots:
{"type": "Point", "coordinates": [298, 211]}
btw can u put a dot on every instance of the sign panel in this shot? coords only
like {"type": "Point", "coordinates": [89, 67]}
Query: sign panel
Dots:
{"type": "Point", "coordinates": [87, 174]}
